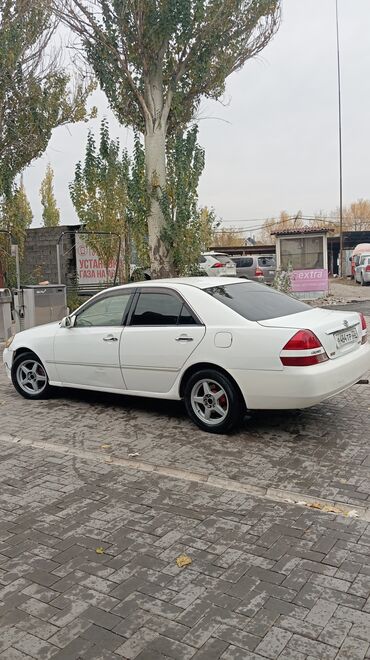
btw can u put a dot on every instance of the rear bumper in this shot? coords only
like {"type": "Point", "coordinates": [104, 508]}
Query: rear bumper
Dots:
{"type": "Point", "coordinates": [302, 387]}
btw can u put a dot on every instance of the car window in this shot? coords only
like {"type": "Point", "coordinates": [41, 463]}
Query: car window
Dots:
{"type": "Point", "coordinates": [267, 262]}
{"type": "Point", "coordinates": [246, 262]}
{"type": "Point", "coordinates": [107, 311]}
{"type": "Point", "coordinates": [186, 317]}
{"type": "Point", "coordinates": [157, 309]}
{"type": "Point", "coordinates": [202, 259]}
{"type": "Point", "coordinates": [256, 302]}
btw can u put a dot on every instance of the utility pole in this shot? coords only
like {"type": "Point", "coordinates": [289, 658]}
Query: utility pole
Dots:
{"type": "Point", "coordinates": [340, 147]}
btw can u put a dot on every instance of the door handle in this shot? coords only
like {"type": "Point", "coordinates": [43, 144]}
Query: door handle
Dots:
{"type": "Point", "coordinates": [110, 338]}
{"type": "Point", "coordinates": [184, 338]}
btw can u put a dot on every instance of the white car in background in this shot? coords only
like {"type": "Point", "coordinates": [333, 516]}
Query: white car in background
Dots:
{"type": "Point", "coordinates": [216, 264]}
{"type": "Point", "coordinates": [362, 271]}
{"type": "Point", "coordinates": [223, 345]}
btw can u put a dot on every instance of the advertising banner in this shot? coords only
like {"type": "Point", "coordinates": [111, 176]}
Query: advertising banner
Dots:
{"type": "Point", "coordinates": [90, 268]}
{"type": "Point", "coordinates": [310, 280]}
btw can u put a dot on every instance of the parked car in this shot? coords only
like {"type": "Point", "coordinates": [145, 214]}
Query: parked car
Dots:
{"type": "Point", "coordinates": [260, 268]}
{"type": "Point", "coordinates": [360, 249]}
{"type": "Point", "coordinates": [223, 345]}
{"type": "Point", "coordinates": [362, 271]}
{"type": "Point", "coordinates": [216, 264]}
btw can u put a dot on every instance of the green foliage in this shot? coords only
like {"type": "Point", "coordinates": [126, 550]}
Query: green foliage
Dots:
{"type": "Point", "coordinates": [138, 204]}
{"type": "Point", "coordinates": [15, 217]}
{"type": "Point", "coordinates": [99, 193]}
{"type": "Point", "coordinates": [35, 94]}
{"type": "Point", "coordinates": [283, 280]}
{"type": "Point", "coordinates": [185, 231]}
{"type": "Point", "coordinates": [188, 46]}
{"type": "Point", "coordinates": [50, 213]}
{"type": "Point", "coordinates": [74, 301]}
{"type": "Point", "coordinates": [109, 194]}
{"type": "Point", "coordinates": [16, 214]}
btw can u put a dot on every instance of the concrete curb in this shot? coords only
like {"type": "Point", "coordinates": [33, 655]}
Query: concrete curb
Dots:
{"type": "Point", "coordinates": [272, 494]}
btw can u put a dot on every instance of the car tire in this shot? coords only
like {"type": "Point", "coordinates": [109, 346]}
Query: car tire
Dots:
{"type": "Point", "coordinates": [29, 377]}
{"type": "Point", "coordinates": [213, 401]}
{"type": "Point", "coordinates": [362, 280]}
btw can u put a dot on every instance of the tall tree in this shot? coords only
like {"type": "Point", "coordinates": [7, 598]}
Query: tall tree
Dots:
{"type": "Point", "coordinates": [183, 229]}
{"type": "Point", "coordinates": [35, 91]}
{"type": "Point", "coordinates": [16, 217]}
{"type": "Point", "coordinates": [99, 193]}
{"type": "Point", "coordinates": [356, 216]}
{"type": "Point", "coordinates": [156, 59]}
{"type": "Point", "coordinates": [50, 212]}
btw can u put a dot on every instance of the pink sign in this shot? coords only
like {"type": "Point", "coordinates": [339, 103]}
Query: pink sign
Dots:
{"type": "Point", "coordinates": [310, 280]}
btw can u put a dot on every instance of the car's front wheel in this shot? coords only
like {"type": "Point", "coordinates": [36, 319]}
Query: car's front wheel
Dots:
{"type": "Point", "coordinates": [213, 401]}
{"type": "Point", "coordinates": [29, 377]}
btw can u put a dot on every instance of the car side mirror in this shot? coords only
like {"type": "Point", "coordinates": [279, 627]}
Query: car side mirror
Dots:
{"type": "Point", "coordinates": [68, 322]}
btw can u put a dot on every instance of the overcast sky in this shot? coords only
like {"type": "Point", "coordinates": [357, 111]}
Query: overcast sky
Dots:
{"type": "Point", "coordinates": [274, 145]}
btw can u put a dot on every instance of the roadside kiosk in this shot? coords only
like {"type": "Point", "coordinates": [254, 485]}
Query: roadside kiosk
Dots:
{"type": "Point", "coordinates": [305, 250]}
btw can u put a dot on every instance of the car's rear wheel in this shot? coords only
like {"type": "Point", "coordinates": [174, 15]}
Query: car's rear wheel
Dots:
{"type": "Point", "coordinates": [213, 401]}
{"type": "Point", "coordinates": [30, 378]}
{"type": "Point", "coordinates": [363, 283]}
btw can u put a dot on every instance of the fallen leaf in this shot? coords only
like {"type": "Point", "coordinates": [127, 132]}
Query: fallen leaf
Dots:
{"type": "Point", "coordinates": [183, 560]}
{"type": "Point", "coordinates": [105, 446]}
{"type": "Point", "coordinates": [99, 551]}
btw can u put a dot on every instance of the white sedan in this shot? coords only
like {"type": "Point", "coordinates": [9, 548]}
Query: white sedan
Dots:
{"type": "Point", "coordinates": [223, 345]}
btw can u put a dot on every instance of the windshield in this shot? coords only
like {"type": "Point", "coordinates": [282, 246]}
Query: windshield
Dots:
{"type": "Point", "coordinates": [256, 302]}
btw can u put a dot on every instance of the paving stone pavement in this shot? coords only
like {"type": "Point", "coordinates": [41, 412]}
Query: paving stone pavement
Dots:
{"type": "Point", "coordinates": [322, 452]}
{"type": "Point", "coordinates": [267, 580]}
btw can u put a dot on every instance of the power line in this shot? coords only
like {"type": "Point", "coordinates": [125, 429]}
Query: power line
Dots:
{"type": "Point", "coordinates": [273, 224]}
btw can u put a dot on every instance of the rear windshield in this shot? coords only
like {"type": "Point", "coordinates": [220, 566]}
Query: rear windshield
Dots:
{"type": "Point", "coordinates": [222, 258]}
{"type": "Point", "coordinates": [256, 302]}
{"type": "Point", "coordinates": [267, 262]}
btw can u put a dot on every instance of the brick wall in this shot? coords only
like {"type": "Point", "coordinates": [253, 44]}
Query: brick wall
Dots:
{"type": "Point", "coordinates": [40, 251]}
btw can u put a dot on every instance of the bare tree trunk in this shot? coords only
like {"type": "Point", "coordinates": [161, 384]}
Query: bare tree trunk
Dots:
{"type": "Point", "coordinates": [155, 165]}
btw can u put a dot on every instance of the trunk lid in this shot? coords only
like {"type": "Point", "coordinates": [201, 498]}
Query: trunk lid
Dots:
{"type": "Point", "coordinates": [340, 333]}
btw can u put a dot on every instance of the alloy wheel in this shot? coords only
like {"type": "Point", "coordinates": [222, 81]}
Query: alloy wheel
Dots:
{"type": "Point", "coordinates": [31, 377]}
{"type": "Point", "coordinates": [209, 401]}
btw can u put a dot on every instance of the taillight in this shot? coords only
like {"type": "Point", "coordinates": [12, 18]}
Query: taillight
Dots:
{"type": "Point", "coordinates": [259, 272]}
{"type": "Point", "coordinates": [367, 269]}
{"type": "Point", "coordinates": [307, 348]}
{"type": "Point", "coordinates": [217, 265]}
{"type": "Point", "coordinates": [364, 328]}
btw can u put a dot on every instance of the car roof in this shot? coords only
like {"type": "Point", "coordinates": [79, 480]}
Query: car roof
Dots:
{"type": "Point", "coordinates": [197, 282]}
{"type": "Point", "coordinates": [212, 254]}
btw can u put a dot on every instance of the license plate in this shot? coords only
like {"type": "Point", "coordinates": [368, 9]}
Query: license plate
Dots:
{"type": "Point", "coordinates": [346, 337]}
{"type": "Point", "coordinates": [271, 272]}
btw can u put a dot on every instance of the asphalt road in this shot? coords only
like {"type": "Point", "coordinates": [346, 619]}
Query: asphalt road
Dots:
{"type": "Point", "coordinates": [359, 306]}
